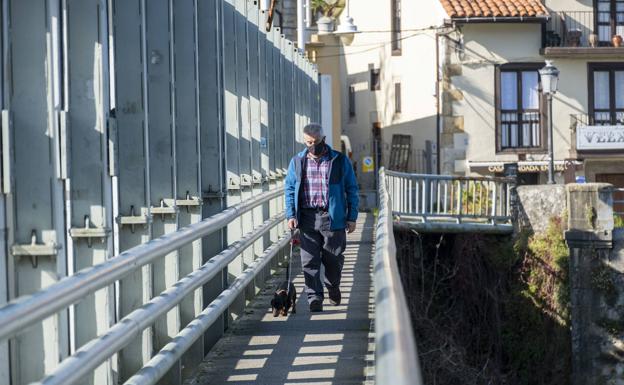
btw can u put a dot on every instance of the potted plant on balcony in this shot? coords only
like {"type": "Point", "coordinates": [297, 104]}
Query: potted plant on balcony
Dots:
{"type": "Point", "coordinates": [593, 40]}
{"type": "Point", "coordinates": [327, 11]}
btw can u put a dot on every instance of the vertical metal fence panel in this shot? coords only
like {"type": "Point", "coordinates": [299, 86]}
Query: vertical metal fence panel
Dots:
{"type": "Point", "coordinates": [291, 97]}
{"type": "Point", "coordinates": [242, 27]}
{"type": "Point", "coordinates": [253, 50]}
{"type": "Point", "coordinates": [213, 135]}
{"type": "Point", "coordinates": [133, 175]}
{"type": "Point", "coordinates": [232, 35]}
{"type": "Point", "coordinates": [282, 160]}
{"type": "Point", "coordinates": [263, 86]}
{"type": "Point", "coordinates": [5, 371]}
{"type": "Point", "coordinates": [188, 158]}
{"type": "Point", "coordinates": [89, 208]}
{"type": "Point", "coordinates": [161, 155]}
{"type": "Point", "coordinates": [35, 215]}
{"type": "Point", "coordinates": [273, 137]}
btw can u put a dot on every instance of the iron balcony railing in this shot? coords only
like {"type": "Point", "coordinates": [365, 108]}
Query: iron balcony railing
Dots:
{"type": "Point", "coordinates": [463, 200]}
{"type": "Point", "coordinates": [571, 29]}
{"type": "Point", "coordinates": [16, 316]}
{"type": "Point", "coordinates": [396, 358]}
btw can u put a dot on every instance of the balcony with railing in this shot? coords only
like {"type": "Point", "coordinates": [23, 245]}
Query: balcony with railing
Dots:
{"type": "Point", "coordinates": [582, 33]}
{"type": "Point", "coordinates": [601, 132]}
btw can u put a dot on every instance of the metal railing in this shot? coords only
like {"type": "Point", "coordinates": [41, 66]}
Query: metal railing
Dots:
{"type": "Point", "coordinates": [462, 200]}
{"type": "Point", "coordinates": [25, 311]}
{"type": "Point", "coordinates": [569, 29]}
{"type": "Point", "coordinates": [572, 29]}
{"type": "Point", "coordinates": [396, 358]}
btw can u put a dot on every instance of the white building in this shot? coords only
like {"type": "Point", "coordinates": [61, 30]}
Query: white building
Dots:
{"type": "Point", "coordinates": [386, 82]}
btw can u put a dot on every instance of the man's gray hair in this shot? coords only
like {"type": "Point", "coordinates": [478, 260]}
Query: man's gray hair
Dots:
{"type": "Point", "coordinates": [313, 129]}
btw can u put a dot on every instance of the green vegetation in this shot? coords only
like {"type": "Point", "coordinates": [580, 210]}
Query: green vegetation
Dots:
{"type": "Point", "coordinates": [536, 333]}
{"type": "Point", "coordinates": [328, 8]}
{"type": "Point", "coordinates": [490, 309]}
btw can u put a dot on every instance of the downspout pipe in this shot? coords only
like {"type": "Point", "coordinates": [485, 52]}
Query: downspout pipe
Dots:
{"type": "Point", "coordinates": [300, 25]}
{"type": "Point", "coordinates": [437, 95]}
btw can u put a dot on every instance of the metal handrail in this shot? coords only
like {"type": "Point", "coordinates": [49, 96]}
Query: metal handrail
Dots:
{"type": "Point", "coordinates": [396, 358]}
{"type": "Point", "coordinates": [437, 197]}
{"type": "Point", "coordinates": [166, 358]}
{"type": "Point", "coordinates": [98, 350]}
{"type": "Point", "coordinates": [25, 311]}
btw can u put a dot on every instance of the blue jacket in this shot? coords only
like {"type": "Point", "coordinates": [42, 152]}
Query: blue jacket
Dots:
{"type": "Point", "coordinates": [343, 190]}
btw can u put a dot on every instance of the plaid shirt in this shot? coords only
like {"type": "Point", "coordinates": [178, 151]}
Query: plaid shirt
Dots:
{"type": "Point", "coordinates": [316, 182]}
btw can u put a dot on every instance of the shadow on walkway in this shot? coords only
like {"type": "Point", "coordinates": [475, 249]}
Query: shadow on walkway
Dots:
{"type": "Point", "coordinates": [334, 347]}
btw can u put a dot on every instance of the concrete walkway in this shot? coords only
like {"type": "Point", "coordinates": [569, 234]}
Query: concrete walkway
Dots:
{"type": "Point", "coordinates": [334, 347]}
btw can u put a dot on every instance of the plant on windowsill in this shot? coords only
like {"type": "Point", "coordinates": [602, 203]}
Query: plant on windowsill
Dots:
{"type": "Point", "coordinates": [327, 12]}
{"type": "Point", "coordinates": [616, 40]}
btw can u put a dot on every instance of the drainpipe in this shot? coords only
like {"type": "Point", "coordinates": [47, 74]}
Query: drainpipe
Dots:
{"type": "Point", "coordinates": [308, 13]}
{"type": "Point", "coordinates": [300, 25]}
{"type": "Point", "coordinates": [437, 95]}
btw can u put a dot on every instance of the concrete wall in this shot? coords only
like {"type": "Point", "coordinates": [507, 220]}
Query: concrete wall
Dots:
{"type": "Point", "coordinates": [596, 286]}
{"type": "Point", "coordinates": [537, 204]}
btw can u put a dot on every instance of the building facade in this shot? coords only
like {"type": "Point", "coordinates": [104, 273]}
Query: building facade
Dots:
{"type": "Point", "coordinates": [384, 79]}
{"type": "Point", "coordinates": [493, 110]}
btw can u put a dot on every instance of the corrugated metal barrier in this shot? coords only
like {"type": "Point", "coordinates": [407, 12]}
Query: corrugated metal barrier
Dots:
{"type": "Point", "coordinates": [125, 126]}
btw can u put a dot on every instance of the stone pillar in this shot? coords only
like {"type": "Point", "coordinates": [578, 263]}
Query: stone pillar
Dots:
{"type": "Point", "coordinates": [596, 285]}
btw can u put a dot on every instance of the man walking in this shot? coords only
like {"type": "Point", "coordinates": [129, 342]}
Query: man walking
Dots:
{"type": "Point", "coordinates": [322, 201]}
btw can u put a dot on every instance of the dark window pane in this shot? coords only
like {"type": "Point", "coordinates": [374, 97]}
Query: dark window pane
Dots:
{"type": "Point", "coordinates": [375, 79]}
{"type": "Point", "coordinates": [351, 101]}
{"type": "Point", "coordinates": [397, 97]}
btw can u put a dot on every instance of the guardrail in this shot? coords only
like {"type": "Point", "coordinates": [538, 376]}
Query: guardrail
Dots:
{"type": "Point", "coordinates": [443, 198]}
{"type": "Point", "coordinates": [396, 358]}
{"type": "Point", "coordinates": [25, 311]}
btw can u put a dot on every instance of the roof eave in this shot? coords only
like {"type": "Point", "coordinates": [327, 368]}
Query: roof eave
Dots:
{"type": "Point", "coordinates": [500, 19]}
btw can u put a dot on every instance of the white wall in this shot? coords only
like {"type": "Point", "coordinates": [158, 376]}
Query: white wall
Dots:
{"type": "Point", "coordinates": [490, 44]}
{"type": "Point", "coordinates": [414, 69]}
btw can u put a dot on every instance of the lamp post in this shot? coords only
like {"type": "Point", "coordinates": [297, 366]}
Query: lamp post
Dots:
{"type": "Point", "coordinates": [550, 80]}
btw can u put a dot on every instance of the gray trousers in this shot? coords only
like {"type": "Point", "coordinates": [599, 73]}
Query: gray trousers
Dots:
{"type": "Point", "coordinates": [319, 246]}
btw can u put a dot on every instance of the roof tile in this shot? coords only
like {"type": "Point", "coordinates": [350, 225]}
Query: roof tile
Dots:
{"type": "Point", "coordinates": [494, 8]}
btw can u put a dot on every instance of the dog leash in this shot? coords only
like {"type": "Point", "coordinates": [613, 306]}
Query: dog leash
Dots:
{"type": "Point", "coordinates": [288, 269]}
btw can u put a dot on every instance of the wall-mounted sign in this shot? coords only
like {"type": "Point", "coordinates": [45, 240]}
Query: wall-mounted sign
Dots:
{"type": "Point", "coordinates": [368, 165]}
{"type": "Point", "coordinates": [599, 137]}
{"type": "Point", "coordinates": [523, 167]}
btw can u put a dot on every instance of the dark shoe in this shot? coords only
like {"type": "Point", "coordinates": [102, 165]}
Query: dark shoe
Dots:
{"type": "Point", "coordinates": [334, 296]}
{"type": "Point", "coordinates": [316, 306]}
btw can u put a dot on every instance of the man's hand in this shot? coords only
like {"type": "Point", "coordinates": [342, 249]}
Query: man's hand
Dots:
{"type": "Point", "coordinates": [292, 223]}
{"type": "Point", "coordinates": [350, 227]}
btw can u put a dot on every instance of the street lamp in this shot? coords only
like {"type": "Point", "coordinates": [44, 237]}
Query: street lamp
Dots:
{"type": "Point", "coordinates": [550, 80]}
{"type": "Point", "coordinates": [346, 30]}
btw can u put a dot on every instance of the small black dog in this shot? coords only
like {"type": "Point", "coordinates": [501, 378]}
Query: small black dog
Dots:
{"type": "Point", "coordinates": [284, 299]}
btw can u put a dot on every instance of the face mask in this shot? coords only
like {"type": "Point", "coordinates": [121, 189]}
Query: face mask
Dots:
{"type": "Point", "coordinates": [318, 148]}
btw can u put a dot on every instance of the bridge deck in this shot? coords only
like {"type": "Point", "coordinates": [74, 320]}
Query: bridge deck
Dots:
{"type": "Point", "coordinates": [333, 347]}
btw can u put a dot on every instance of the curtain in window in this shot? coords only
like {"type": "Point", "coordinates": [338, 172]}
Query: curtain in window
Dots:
{"type": "Point", "coordinates": [509, 91]}
{"type": "Point", "coordinates": [601, 90]}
